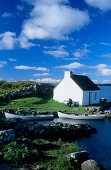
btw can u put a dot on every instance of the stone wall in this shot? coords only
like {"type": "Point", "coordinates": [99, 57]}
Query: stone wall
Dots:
{"type": "Point", "coordinates": [52, 131]}
{"type": "Point", "coordinates": [44, 90]}
{"type": "Point", "coordinates": [39, 90]}
{"type": "Point", "coordinates": [7, 135]}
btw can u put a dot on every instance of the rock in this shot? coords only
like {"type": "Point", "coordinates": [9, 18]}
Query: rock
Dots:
{"type": "Point", "coordinates": [78, 156]}
{"type": "Point", "coordinates": [74, 163]}
{"type": "Point", "coordinates": [90, 165]}
{"type": "Point", "coordinates": [38, 167]}
{"type": "Point", "coordinates": [7, 135]}
{"type": "Point", "coordinates": [108, 114]}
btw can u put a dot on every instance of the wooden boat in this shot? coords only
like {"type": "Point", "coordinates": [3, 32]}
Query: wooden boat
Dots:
{"type": "Point", "coordinates": [28, 117]}
{"type": "Point", "coordinates": [81, 117]}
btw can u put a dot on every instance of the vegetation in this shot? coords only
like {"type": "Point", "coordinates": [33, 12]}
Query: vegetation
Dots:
{"type": "Point", "coordinates": [53, 154]}
{"type": "Point", "coordinates": [56, 156]}
{"type": "Point", "coordinates": [15, 152]}
{"type": "Point", "coordinates": [13, 86]}
{"type": "Point", "coordinates": [42, 104]}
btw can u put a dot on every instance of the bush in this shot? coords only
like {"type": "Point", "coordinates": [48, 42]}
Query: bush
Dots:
{"type": "Point", "coordinates": [15, 153]}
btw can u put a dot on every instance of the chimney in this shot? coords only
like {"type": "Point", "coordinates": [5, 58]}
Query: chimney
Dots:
{"type": "Point", "coordinates": [67, 73]}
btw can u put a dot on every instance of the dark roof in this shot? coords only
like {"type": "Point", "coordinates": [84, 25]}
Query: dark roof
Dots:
{"type": "Point", "coordinates": [84, 82]}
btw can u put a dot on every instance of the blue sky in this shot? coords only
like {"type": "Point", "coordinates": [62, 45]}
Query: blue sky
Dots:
{"type": "Point", "coordinates": [40, 39]}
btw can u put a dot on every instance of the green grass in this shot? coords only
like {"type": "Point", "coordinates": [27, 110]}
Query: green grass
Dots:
{"type": "Point", "coordinates": [13, 86]}
{"type": "Point", "coordinates": [42, 104]}
{"type": "Point", "coordinates": [53, 154]}
{"type": "Point", "coordinates": [57, 156]}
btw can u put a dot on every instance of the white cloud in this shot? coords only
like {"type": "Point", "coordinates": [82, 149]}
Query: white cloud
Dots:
{"type": "Point", "coordinates": [53, 20]}
{"type": "Point", "coordinates": [59, 52]}
{"type": "Point", "coordinates": [99, 66]}
{"type": "Point", "coordinates": [102, 81]}
{"type": "Point", "coordinates": [108, 55]}
{"type": "Point", "coordinates": [43, 74]}
{"type": "Point", "coordinates": [106, 81]}
{"type": "Point", "coordinates": [104, 72]}
{"type": "Point", "coordinates": [101, 4]}
{"type": "Point", "coordinates": [46, 80]}
{"type": "Point", "coordinates": [74, 65]}
{"type": "Point", "coordinates": [12, 59]}
{"type": "Point", "coordinates": [7, 15]}
{"type": "Point", "coordinates": [24, 43]}
{"type": "Point", "coordinates": [2, 63]}
{"type": "Point", "coordinates": [7, 40]}
{"type": "Point", "coordinates": [22, 67]}
{"type": "Point", "coordinates": [95, 81]}
{"type": "Point", "coordinates": [106, 44]}
{"type": "Point", "coordinates": [71, 58]}
{"type": "Point", "coordinates": [79, 53]}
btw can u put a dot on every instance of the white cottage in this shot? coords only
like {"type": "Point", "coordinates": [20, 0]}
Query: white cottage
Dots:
{"type": "Point", "coordinates": [77, 87]}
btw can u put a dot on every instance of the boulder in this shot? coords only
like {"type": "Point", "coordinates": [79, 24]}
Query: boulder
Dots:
{"type": "Point", "coordinates": [108, 114]}
{"type": "Point", "coordinates": [79, 157]}
{"type": "Point", "coordinates": [91, 165]}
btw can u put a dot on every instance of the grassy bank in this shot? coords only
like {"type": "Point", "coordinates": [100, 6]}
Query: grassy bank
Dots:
{"type": "Point", "coordinates": [58, 160]}
{"type": "Point", "coordinates": [53, 154]}
{"type": "Point", "coordinates": [41, 104]}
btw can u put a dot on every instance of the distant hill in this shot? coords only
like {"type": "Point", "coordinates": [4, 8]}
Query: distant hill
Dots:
{"type": "Point", "coordinates": [14, 86]}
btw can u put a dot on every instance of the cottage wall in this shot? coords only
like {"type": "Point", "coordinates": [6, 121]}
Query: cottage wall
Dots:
{"type": "Point", "coordinates": [68, 89]}
{"type": "Point", "coordinates": [105, 92]}
{"type": "Point", "coordinates": [93, 99]}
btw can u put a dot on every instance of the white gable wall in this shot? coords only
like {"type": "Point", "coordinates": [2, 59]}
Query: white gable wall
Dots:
{"type": "Point", "coordinates": [66, 89]}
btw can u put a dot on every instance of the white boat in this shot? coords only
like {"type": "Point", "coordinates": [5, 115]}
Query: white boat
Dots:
{"type": "Point", "coordinates": [81, 117]}
{"type": "Point", "coordinates": [28, 117]}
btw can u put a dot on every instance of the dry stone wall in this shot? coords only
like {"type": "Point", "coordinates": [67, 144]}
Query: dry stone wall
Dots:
{"type": "Point", "coordinates": [39, 90]}
{"type": "Point", "coordinates": [7, 135]}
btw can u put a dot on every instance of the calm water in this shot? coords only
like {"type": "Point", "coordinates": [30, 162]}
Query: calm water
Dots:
{"type": "Point", "coordinates": [98, 145]}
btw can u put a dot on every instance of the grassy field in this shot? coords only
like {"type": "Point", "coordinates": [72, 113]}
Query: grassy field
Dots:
{"type": "Point", "coordinates": [40, 104]}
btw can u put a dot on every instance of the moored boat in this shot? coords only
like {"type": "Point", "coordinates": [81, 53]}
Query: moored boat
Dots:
{"type": "Point", "coordinates": [28, 117]}
{"type": "Point", "coordinates": [81, 117]}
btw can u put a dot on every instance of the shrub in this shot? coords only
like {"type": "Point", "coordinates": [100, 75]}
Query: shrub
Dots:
{"type": "Point", "coordinates": [15, 153]}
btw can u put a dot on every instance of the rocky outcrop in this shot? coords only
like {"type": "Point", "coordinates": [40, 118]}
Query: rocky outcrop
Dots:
{"type": "Point", "coordinates": [79, 157]}
{"type": "Point", "coordinates": [52, 131]}
{"type": "Point", "coordinates": [80, 161]}
{"type": "Point", "coordinates": [91, 165]}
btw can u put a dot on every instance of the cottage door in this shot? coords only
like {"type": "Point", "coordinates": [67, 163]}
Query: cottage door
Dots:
{"type": "Point", "coordinates": [90, 98]}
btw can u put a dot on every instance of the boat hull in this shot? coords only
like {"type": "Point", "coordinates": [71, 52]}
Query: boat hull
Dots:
{"type": "Point", "coordinates": [81, 117]}
{"type": "Point", "coordinates": [29, 117]}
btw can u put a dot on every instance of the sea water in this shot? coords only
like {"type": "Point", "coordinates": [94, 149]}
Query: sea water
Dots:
{"type": "Point", "coordinates": [98, 145]}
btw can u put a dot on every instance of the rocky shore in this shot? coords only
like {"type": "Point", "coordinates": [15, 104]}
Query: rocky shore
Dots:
{"type": "Point", "coordinates": [12, 129]}
{"type": "Point", "coordinates": [52, 131]}
{"type": "Point", "coordinates": [90, 110]}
